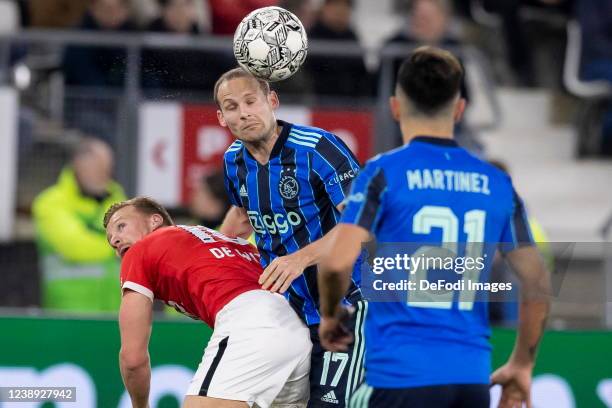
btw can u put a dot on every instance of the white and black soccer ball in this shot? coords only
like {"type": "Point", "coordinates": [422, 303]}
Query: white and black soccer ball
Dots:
{"type": "Point", "coordinates": [271, 43]}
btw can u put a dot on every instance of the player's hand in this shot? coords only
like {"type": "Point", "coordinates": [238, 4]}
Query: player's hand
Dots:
{"type": "Point", "coordinates": [277, 277]}
{"type": "Point", "coordinates": [515, 380]}
{"type": "Point", "coordinates": [333, 331]}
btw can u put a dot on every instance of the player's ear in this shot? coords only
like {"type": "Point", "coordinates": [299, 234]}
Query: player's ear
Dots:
{"type": "Point", "coordinates": [459, 110]}
{"type": "Point", "coordinates": [395, 107]}
{"type": "Point", "coordinates": [155, 221]}
{"type": "Point", "coordinates": [273, 99]}
{"type": "Point", "coordinates": [220, 118]}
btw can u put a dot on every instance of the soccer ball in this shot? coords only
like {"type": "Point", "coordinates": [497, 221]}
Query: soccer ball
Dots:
{"type": "Point", "coordinates": [271, 43]}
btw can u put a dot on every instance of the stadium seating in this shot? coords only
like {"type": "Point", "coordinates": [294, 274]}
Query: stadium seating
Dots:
{"type": "Point", "coordinates": [594, 95]}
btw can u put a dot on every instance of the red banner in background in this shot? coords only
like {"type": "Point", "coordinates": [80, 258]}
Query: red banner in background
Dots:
{"type": "Point", "coordinates": [205, 141]}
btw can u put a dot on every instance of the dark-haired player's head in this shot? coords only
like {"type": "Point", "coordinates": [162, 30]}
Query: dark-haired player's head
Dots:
{"type": "Point", "coordinates": [246, 105]}
{"type": "Point", "coordinates": [130, 221]}
{"type": "Point", "coordinates": [428, 87]}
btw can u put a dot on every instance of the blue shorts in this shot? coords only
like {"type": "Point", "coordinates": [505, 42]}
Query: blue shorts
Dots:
{"type": "Point", "coordinates": [334, 376]}
{"type": "Point", "coordinates": [438, 396]}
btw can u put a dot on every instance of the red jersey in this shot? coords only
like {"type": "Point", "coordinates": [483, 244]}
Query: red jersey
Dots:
{"type": "Point", "coordinates": [196, 270]}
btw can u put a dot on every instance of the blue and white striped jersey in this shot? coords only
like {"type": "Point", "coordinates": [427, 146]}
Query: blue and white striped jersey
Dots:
{"type": "Point", "coordinates": [291, 201]}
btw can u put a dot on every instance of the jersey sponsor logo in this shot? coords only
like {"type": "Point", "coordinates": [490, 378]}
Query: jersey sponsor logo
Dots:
{"type": "Point", "coordinates": [339, 178]}
{"type": "Point", "coordinates": [288, 187]}
{"type": "Point", "coordinates": [273, 223]}
{"type": "Point", "coordinates": [330, 397]}
{"type": "Point", "coordinates": [243, 191]}
{"type": "Point", "coordinates": [357, 198]}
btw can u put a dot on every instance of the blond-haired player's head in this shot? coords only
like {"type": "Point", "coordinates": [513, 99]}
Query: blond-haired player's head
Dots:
{"type": "Point", "coordinates": [246, 106]}
{"type": "Point", "coordinates": [130, 221]}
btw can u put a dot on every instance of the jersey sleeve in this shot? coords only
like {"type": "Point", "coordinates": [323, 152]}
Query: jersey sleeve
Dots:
{"type": "Point", "coordinates": [516, 232]}
{"type": "Point", "coordinates": [336, 165]}
{"type": "Point", "coordinates": [365, 204]}
{"type": "Point", "coordinates": [136, 273]}
{"type": "Point", "coordinates": [231, 189]}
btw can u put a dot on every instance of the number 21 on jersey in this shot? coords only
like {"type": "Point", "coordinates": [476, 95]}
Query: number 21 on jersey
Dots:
{"type": "Point", "coordinates": [429, 217]}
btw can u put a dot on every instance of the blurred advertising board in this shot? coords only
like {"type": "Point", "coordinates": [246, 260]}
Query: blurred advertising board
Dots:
{"type": "Point", "coordinates": [180, 143]}
{"type": "Point", "coordinates": [84, 354]}
{"type": "Point", "coordinates": [573, 368]}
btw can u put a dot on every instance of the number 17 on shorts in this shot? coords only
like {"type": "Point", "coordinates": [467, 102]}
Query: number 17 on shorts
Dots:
{"type": "Point", "coordinates": [334, 376]}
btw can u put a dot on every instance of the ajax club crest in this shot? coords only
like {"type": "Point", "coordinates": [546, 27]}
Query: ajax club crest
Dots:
{"type": "Point", "coordinates": [288, 187]}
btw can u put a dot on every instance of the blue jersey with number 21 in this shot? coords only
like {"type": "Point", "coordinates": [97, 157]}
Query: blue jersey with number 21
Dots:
{"type": "Point", "coordinates": [433, 191]}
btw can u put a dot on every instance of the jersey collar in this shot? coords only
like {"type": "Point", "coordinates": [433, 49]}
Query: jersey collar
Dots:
{"type": "Point", "coordinates": [282, 137]}
{"type": "Point", "coordinates": [440, 141]}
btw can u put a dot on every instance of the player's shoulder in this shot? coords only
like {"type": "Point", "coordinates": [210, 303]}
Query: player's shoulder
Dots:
{"type": "Point", "coordinates": [161, 236]}
{"type": "Point", "coordinates": [389, 158]}
{"type": "Point", "coordinates": [379, 167]}
{"type": "Point", "coordinates": [311, 138]}
{"type": "Point", "coordinates": [499, 182]}
{"type": "Point", "coordinates": [492, 171]}
{"type": "Point", "coordinates": [233, 149]}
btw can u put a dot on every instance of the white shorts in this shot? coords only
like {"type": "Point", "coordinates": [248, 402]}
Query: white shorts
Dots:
{"type": "Point", "coordinates": [259, 352]}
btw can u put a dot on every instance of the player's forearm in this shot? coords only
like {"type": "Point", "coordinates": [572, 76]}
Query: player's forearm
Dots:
{"type": "Point", "coordinates": [535, 302]}
{"type": "Point", "coordinates": [533, 313]}
{"type": "Point", "coordinates": [137, 379]}
{"type": "Point", "coordinates": [313, 253]}
{"type": "Point", "coordinates": [532, 322]}
{"type": "Point", "coordinates": [333, 285]}
{"type": "Point", "coordinates": [336, 266]}
{"type": "Point", "coordinates": [236, 224]}
{"type": "Point", "coordinates": [243, 231]}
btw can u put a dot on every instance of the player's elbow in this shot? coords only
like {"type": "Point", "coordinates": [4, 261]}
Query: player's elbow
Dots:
{"type": "Point", "coordinates": [536, 283]}
{"type": "Point", "coordinates": [336, 265]}
{"type": "Point", "coordinates": [537, 287]}
{"type": "Point", "coordinates": [533, 274]}
{"type": "Point", "coordinates": [132, 360]}
{"type": "Point", "coordinates": [236, 223]}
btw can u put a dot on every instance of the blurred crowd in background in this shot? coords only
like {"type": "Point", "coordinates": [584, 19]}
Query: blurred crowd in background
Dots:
{"type": "Point", "coordinates": [78, 268]}
{"type": "Point", "coordinates": [523, 24]}
{"type": "Point", "coordinates": [527, 53]}
{"type": "Point", "coordinates": [529, 44]}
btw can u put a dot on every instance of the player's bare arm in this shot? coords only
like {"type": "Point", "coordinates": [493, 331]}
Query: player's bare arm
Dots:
{"type": "Point", "coordinates": [277, 277]}
{"type": "Point", "coordinates": [236, 223]}
{"type": "Point", "coordinates": [135, 319]}
{"type": "Point", "coordinates": [515, 375]}
{"type": "Point", "coordinates": [334, 278]}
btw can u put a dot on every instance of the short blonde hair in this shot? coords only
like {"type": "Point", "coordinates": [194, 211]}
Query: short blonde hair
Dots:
{"type": "Point", "coordinates": [144, 205]}
{"type": "Point", "coordinates": [239, 73]}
